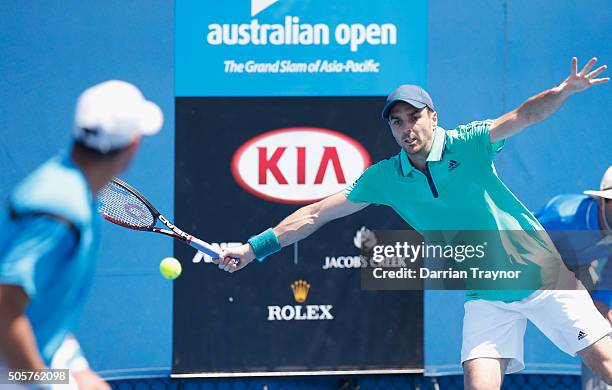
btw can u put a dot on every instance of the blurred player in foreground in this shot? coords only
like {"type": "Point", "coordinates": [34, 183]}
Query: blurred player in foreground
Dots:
{"type": "Point", "coordinates": [581, 227]}
{"type": "Point", "coordinates": [50, 232]}
{"type": "Point", "coordinates": [445, 180]}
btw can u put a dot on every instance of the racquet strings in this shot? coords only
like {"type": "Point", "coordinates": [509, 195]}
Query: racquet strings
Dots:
{"type": "Point", "coordinates": [120, 206]}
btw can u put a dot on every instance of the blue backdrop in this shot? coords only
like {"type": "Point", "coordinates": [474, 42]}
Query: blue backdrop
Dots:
{"type": "Point", "coordinates": [50, 51]}
{"type": "Point", "coordinates": [484, 58]}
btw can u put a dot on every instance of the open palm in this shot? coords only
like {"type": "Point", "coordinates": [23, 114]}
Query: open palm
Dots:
{"type": "Point", "coordinates": [577, 82]}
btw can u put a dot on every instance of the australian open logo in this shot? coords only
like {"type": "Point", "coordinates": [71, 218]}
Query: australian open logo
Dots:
{"type": "Point", "coordinates": [259, 5]}
{"type": "Point", "coordinates": [292, 31]}
{"type": "Point", "coordinates": [300, 289]}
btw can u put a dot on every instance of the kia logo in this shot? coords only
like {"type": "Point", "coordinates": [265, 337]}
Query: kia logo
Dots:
{"type": "Point", "coordinates": [298, 164]}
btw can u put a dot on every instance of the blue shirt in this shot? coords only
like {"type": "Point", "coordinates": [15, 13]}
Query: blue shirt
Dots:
{"type": "Point", "coordinates": [47, 247]}
{"type": "Point", "coordinates": [572, 221]}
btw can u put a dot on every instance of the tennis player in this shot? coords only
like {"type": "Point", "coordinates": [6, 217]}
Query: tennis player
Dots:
{"type": "Point", "coordinates": [445, 180]}
{"type": "Point", "coordinates": [50, 232]}
{"type": "Point", "coordinates": [581, 227]}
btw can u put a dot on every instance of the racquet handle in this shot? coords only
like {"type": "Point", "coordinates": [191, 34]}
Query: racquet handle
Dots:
{"type": "Point", "coordinates": [206, 248]}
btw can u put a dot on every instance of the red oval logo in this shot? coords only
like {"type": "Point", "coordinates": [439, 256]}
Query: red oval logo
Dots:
{"type": "Point", "coordinates": [298, 164]}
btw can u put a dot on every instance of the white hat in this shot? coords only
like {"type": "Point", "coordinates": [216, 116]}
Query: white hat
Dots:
{"type": "Point", "coordinates": [605, 189]}
{"type": "Point", "coordinates": [111, 114]}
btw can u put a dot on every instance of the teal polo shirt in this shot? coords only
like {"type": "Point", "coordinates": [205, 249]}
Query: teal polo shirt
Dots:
{"type": "Point", "coordinates": [461, 192]}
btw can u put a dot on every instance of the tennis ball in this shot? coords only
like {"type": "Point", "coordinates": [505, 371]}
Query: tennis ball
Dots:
{"type": "Point", "coordinates": [170, 268]}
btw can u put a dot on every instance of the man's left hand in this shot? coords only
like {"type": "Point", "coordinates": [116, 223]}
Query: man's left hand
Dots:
{"type": "Point", "coordinates": [577, 82]}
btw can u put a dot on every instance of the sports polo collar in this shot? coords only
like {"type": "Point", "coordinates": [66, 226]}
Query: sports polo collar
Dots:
{"type": "Point", "coordinates": [435, 154]}
{"type": "Point", "coordinates": [592, 214]}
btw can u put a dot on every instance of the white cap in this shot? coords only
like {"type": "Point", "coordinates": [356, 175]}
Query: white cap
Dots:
{"type": "Point", "coordinates": [112, 114]}
{"type": "Point", "coordinates": [605, 189]}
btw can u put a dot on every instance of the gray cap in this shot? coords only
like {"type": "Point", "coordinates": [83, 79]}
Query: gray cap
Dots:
{"type": "Point", "coordinates": [411, 94]}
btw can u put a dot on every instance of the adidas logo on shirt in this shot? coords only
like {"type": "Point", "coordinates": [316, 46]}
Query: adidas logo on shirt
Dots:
{"type": "Point", "coordinates": [581, 335]}
{"type": "Point", "coordinates": [453, 164]}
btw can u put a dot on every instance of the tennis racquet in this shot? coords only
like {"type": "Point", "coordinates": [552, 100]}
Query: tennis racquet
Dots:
{"type": "Point", "coordinates": [122, 204]}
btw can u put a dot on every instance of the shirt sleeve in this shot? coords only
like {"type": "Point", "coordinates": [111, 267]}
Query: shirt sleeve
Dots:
{"type": "Point", "coordinates": [366, 188]}
{"type": "Point", "coordinates": [604, 296]}
{"type": "Point", "coordinates": [31, 258]}
{"type": "Point", "coordinates": [477, 135]}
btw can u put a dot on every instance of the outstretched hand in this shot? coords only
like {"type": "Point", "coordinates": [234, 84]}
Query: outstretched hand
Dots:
{"type": "Point", "coordinates": [577, 82]}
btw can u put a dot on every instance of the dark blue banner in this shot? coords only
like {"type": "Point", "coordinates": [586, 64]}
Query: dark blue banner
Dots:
{"type": "Point", "coordinates": [303, 309]}
{"type": "Point", "coordinates": [278, 105]}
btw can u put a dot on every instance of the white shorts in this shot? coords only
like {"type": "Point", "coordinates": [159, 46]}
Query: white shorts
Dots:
{"type": "Point", "coordinates": [495, 329]}
{"type": "Point", "coordinates": [67, 355]}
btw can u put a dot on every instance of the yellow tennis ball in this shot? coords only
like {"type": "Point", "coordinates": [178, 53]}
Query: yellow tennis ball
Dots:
{"type": "Point", "coordinates": [170, 268]}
